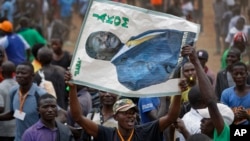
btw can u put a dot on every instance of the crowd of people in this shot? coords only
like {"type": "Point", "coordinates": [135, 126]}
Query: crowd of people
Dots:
{"type": "Point", "coordinates": [38, 101]}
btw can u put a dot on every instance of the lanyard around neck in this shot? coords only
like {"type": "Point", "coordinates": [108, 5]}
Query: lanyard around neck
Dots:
{"type": "Point", "coordinates": [130, 136]}
{"type": "Point", "coordinates": [22, 98]}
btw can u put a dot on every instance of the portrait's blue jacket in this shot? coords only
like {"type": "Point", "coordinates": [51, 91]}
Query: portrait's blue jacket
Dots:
{"type": "Point", "coordinates": [150, 57]}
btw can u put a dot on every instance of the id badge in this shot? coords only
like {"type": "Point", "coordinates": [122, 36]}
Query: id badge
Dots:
{"type": "Point", "coordinates": [19, 115]}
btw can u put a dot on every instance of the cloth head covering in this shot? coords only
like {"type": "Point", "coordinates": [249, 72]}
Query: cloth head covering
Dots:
{"type": "Point", "coordinates": [225, 111]}
{"type": "Point", "coordinates": [6, 26]}
{"type": "Point", "coordinates": [123, 105]}
{"type": "Point", "coordinates": [203, 54]}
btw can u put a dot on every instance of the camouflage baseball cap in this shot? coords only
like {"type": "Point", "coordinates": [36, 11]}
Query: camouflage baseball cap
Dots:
{"type": "Point", "coordinates": [123, 105]}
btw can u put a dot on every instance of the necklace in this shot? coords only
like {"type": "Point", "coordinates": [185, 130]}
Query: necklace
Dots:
{"type": "Point", "coordinates": [130, 136]}
{"type": "Point", "coordinates": [102, 119]}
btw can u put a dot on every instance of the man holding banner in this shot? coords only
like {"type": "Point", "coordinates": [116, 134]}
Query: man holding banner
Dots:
{"type": "Point", "coordinates": [125, 113]}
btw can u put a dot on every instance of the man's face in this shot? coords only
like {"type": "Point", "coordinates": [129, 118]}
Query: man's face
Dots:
{"type": "Point", "coordinates": [48, 109]}
{"type": "Point", "coordinates": [24, 75]}
{"type": "Point", "coordinates": [107, 98]}
{"type": "Point", "coordinates": [189, 71]}
{"type": "Point", "coordinates": [56, 44]}
{"type": "Point", "coordinates": [106, 44]}
{"type": "Point", "coordinates": [239, 75]}
{"type": "Point", "coordinates": [126, 119]}
{"type": "Point", "coordinates": [231, 58]}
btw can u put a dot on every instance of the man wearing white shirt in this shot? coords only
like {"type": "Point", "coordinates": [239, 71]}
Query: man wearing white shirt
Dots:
{"type": "Point", "coordinates": [239, 27]}
{"type": "Point", "coordinates": [191, 119]}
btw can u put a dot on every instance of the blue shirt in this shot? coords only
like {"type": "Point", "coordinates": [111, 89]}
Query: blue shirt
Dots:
{"type": "Point", "coordinates": [66, 7]}
{"type": "Point", "coordinates": [29, 107]}
{"type": "Point", "coordinates": [230, 98]}
{"type": "Point", "coordinates": [15, 47]}
{"type": "Point", "coordinates": [146, 105]}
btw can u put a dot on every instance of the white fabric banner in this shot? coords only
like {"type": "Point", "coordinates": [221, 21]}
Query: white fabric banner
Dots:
{"type": "Point", "coordinates": [130, 51]}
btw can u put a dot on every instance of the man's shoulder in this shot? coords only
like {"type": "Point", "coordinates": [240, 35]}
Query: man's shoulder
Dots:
{"type": "Point", "coordinates": [55, 70]}
{"type": "Point", "coordinates": [59, 68]}
{"type": "Point", "coordinates": [61, 126]}
{"type": "Point", "coordinates": [38, 89]}
{"type": "Point", "coordinates": [191, 116]}
{"type": "Point", "coordinates": [32, 129]}
{"type": "Point", "coordinates": [228, 90]}
{"type": "Point", "coordinates": [221, 72]}
{"type": "Point", "coordinates": [14, 89]}
{"type": "Point", "coordinates": [3, 40]}
{"type": "Point", "coordinates": [64, 130]}
{"type": "Point", "coordinates": [7, 85]}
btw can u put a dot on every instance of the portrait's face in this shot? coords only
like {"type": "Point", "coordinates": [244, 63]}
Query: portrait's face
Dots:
{"type": "Point", "coordinates": [105, 44]}
{"type": "Point", "coordinates": [48, 109]}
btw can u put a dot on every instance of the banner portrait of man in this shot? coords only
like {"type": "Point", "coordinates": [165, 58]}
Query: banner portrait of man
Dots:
{"type": "Point", "coordinates": [129, 50]}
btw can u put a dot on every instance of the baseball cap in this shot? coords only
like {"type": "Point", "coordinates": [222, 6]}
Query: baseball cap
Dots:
{"type": "Point", "coordinates": [123, 105]}
{"type": "Point", "coordinates": [6, 26]}
{"type": "Point", "coordinates": [240, 37]}
{"type": "Point", "coordinates": [225, 111]}
{"type": "Point", "coordinates": [202, 54]}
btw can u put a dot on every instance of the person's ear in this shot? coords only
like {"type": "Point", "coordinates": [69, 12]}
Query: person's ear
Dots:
{"type": "Point", "coordinates": [115, 116]}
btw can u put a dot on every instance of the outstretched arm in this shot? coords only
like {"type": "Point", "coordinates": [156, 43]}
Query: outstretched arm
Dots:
{"type": "Point", "coordinates": [174, 109]}
{"type": "Point", "coordinates": [88, 125]}
{"type": "Point", "coordinates": [206, 89]}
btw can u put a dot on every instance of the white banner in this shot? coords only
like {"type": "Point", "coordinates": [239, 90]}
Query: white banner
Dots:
{"type": "Point", "coordinates": [130, 51]}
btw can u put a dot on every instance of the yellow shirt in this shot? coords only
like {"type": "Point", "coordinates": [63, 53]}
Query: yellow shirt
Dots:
{"type": "Point", "coordinates": [184, 96]}
{"type": "Point", "coordinates": [36, 64]}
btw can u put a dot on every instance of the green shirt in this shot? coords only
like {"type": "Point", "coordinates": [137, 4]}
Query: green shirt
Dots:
{"type": "Point", "coordinates": [223, 59]}
{"type": "Point", "coordinates": [224, 135]}
{"type": "Point", "coordinates": [32, 37]}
